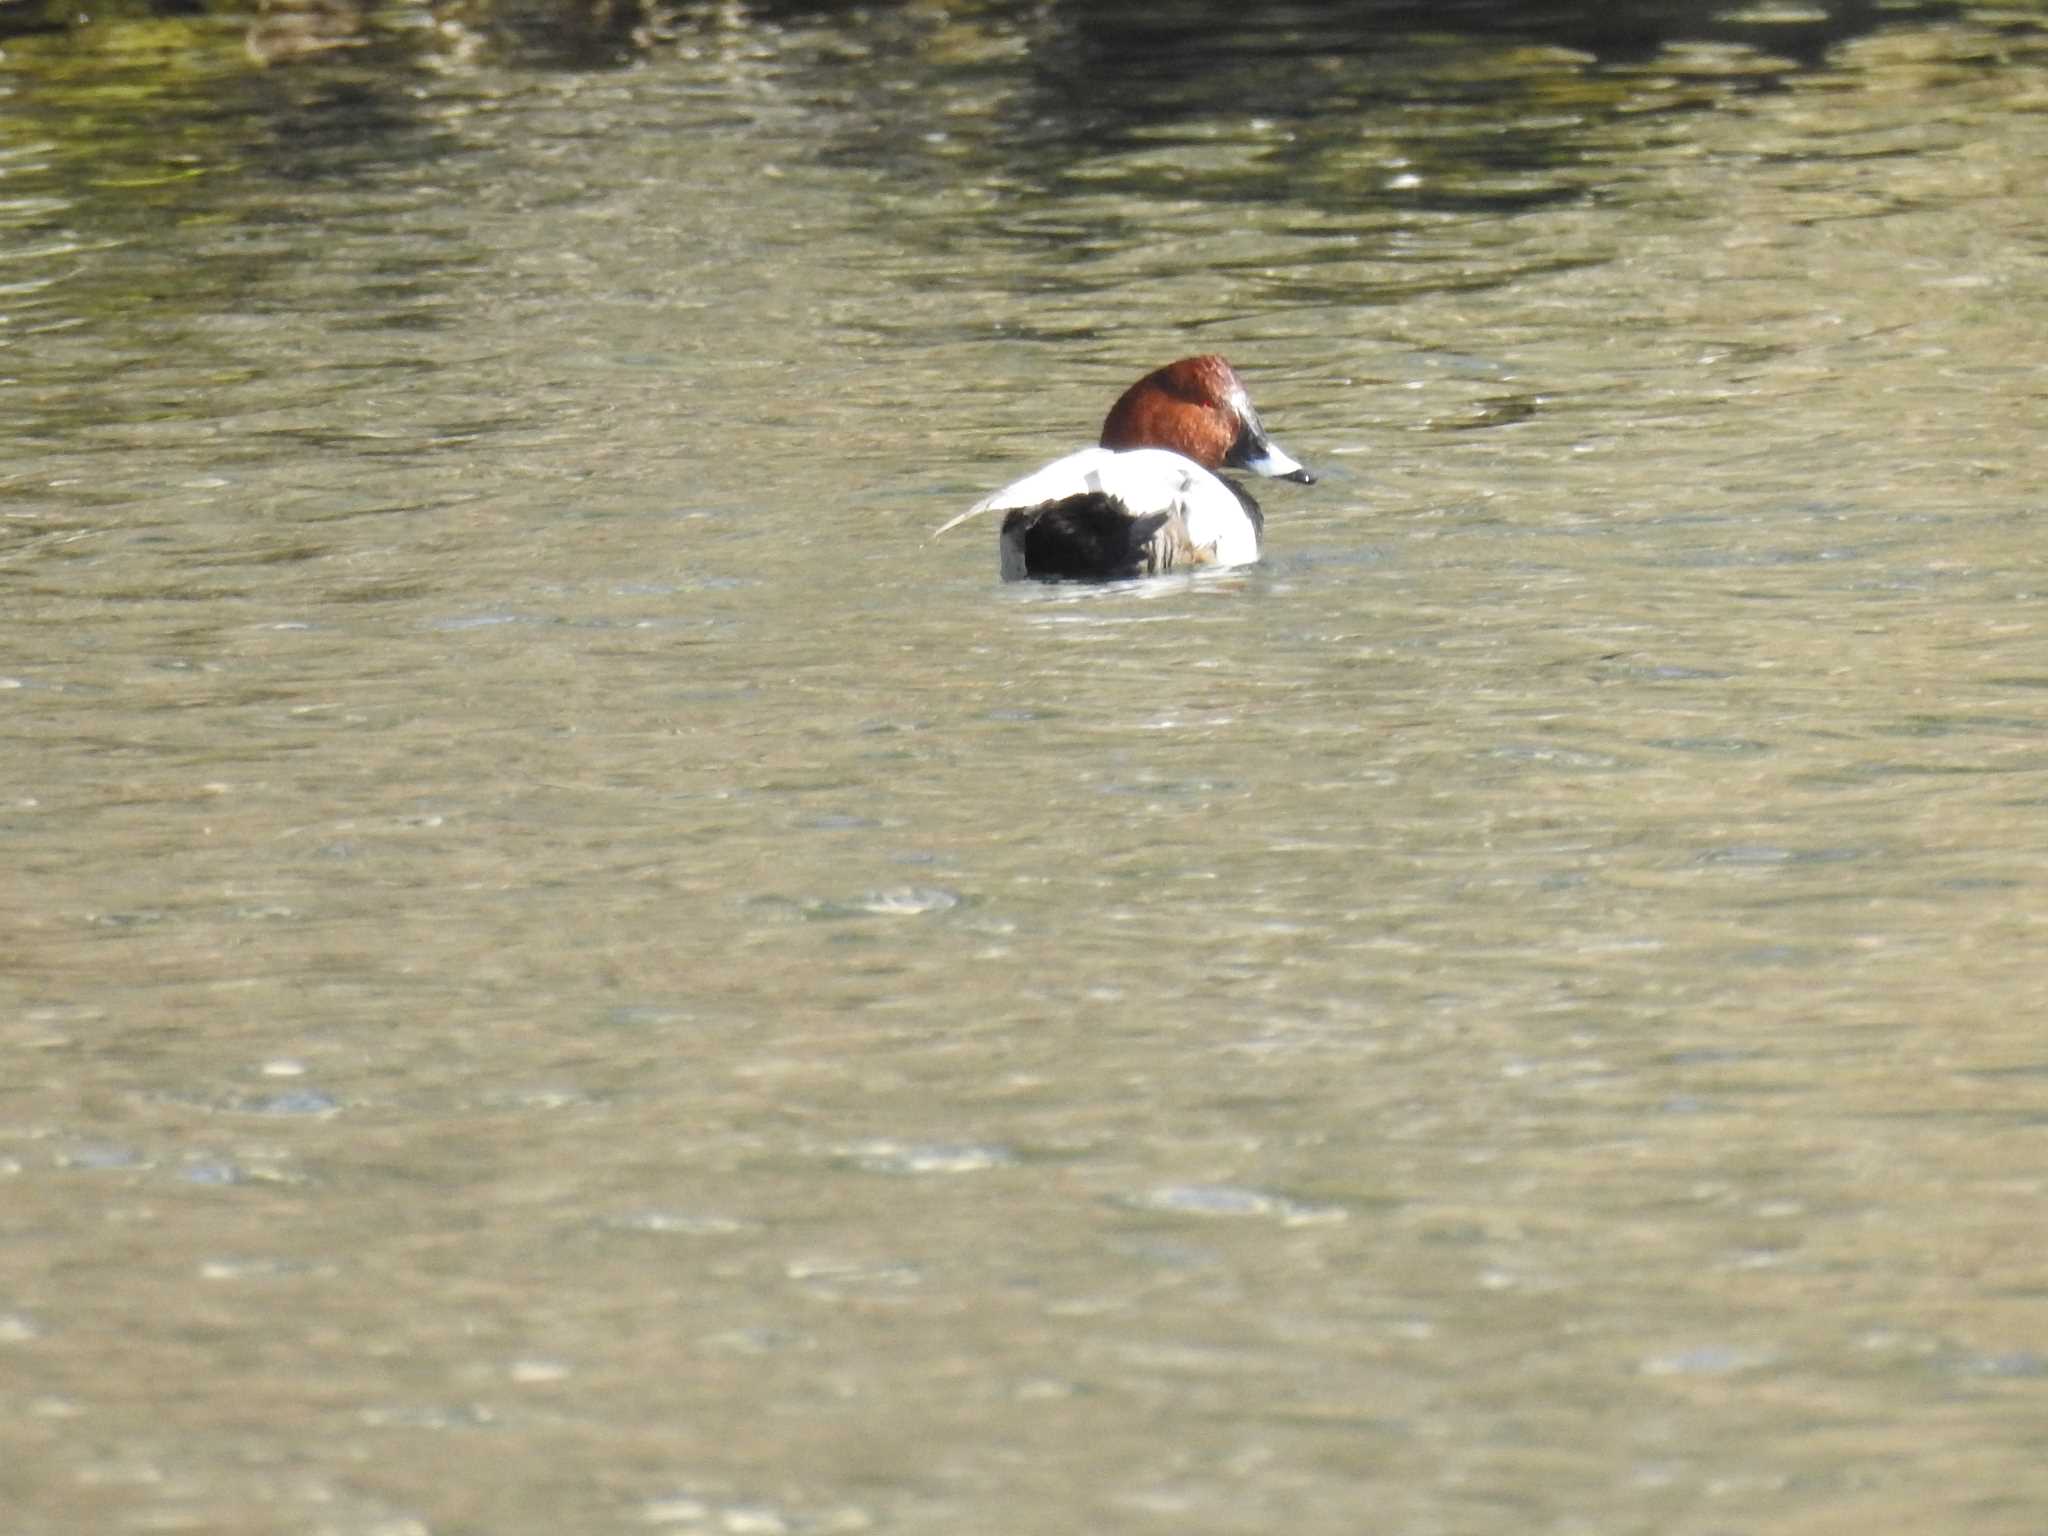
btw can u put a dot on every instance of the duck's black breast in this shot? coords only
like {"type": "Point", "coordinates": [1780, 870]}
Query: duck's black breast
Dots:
{"type": "Point", "coordinates": [1251, 508]}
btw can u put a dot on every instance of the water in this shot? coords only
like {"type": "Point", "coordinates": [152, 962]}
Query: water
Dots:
{"type": "Point", "coordinates": [570, 969]}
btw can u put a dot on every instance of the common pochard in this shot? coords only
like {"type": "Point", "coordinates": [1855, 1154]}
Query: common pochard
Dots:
{"type": "Point", "coordinates": [1145, 501]}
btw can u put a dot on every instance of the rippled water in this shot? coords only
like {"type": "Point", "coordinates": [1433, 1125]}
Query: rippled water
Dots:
{"type": "Point", "coordinates": [572, 969]}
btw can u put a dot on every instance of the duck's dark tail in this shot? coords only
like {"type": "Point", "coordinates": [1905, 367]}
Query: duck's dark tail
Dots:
{"type": "Point", "coordinates": [1092, 537]}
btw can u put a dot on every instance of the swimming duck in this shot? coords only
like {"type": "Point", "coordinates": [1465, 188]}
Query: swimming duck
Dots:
{"type": "Point", "coordinates": [1145, 500]}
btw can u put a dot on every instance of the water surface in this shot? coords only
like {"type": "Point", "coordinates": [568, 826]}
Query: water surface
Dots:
{"type": "Point", "coordinates": [571, 969]}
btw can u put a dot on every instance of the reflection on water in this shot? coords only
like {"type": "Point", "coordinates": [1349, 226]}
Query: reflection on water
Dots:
{"type": "Point", "coordinates": [553, 927]}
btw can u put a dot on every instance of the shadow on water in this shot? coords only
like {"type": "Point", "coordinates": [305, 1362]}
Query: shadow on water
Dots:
{"type": "Point", "coordinates": [1610, 33]}
{"type": "Point", "coordinates": [1043, 93]}
{"type": "Point", "coordinates": [1096, 64]}
{"type": "Point", "coordinates": [1476, 108]}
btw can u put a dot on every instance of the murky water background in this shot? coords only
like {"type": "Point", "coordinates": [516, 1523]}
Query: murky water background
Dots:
{"type": "Point", "coordinates": [567, 969]}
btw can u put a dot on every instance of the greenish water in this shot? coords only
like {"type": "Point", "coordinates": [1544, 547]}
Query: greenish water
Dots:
{"type": "Point", "coordinates": [569, 968]}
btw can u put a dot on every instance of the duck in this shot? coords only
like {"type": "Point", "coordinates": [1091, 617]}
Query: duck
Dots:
{"type": "Point", "coordinates": [1146, 500]}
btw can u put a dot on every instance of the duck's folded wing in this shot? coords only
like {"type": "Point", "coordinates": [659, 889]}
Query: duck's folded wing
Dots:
{"type": "Point", "coordinates": [1145, 480]}
{"type": "Point", "coordinates": [1057, 481]}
